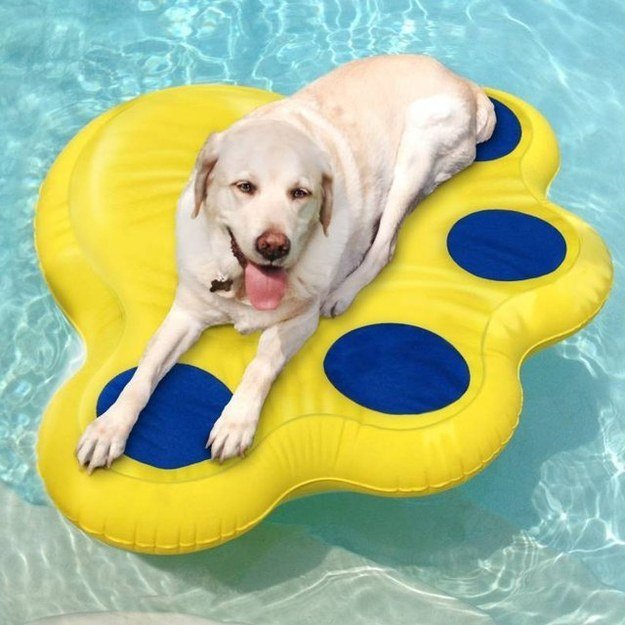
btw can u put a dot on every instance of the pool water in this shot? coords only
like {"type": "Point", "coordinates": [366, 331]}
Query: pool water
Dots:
{"type": "Point", "coordinates": [539, 537]}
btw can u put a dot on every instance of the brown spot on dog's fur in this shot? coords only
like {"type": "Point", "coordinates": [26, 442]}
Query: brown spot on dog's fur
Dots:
{"type": "Point", "coordinates": [221, 285]}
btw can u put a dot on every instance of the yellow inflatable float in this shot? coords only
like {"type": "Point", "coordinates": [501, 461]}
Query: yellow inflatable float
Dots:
{"type": "Point", "coordinates": [401, 396]}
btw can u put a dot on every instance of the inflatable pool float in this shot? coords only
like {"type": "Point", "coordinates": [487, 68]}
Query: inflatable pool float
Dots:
{"type": "Point", "coordinates": [412, 391]}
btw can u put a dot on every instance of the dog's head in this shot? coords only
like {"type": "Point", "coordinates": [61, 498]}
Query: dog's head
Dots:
{"type": "Point", "coordinates": [269, 185]}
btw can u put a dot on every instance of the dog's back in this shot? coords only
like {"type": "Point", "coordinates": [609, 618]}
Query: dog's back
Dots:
{"type": "Point", "coordinates": [367, 100]}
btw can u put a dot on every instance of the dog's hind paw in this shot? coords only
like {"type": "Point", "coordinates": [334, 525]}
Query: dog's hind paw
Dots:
{"type": "Point", "coordinates": [336, 303]}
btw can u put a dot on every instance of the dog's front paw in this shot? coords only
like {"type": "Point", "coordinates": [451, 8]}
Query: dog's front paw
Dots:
{"type": "Point", "coordinates": [233, 432]}
{"type": "Point", "coordinates": [337, 302]}
{"type": "Point", "coordinates": [103, 441]}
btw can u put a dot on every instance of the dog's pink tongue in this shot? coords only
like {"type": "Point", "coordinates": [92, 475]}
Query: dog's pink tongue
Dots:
{"type": "Point", "coordinates": [265, 286]}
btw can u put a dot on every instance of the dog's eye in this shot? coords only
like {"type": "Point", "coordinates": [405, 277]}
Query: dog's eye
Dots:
{"type": "Point", "coordinates": [298, 194]}
{"type": "Point", "coordinates": [245, 187]}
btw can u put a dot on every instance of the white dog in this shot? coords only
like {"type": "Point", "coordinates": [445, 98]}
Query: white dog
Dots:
{"type": "Point", "coordinates": [289, 213]}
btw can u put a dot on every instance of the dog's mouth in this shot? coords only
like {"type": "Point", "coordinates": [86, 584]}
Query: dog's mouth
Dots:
{"type": "Point", "coordinates": [265, 285]}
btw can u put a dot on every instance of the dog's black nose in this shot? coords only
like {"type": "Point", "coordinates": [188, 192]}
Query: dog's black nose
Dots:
{"type": "Point", "coordinates": [273, 245]}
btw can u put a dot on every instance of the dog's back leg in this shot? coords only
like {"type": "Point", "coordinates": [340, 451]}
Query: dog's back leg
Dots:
{"type": "Point", "coordinates": [438, 141]}
{"type": "Point", "coordinates": [485, 118]}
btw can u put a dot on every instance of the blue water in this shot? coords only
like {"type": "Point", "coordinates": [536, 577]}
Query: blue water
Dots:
{"type": "Point", "coordinates": [539, 537]}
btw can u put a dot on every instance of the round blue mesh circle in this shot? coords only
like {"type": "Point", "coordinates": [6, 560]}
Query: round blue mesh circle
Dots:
{"type": "Point", "coordinates": [506, 135]}
{"type": "Point", "coordinates": [397, 368]}
{"type": "Point", "coordinates": [506, 245]}
{"type": "Point", "coordinates": [173, 428]}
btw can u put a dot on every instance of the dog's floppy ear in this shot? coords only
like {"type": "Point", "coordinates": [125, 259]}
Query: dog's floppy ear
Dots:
{"type": "Point", "coordinates": [325, 214]}
{"type": "Point", "coordinates": [206, 160]}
